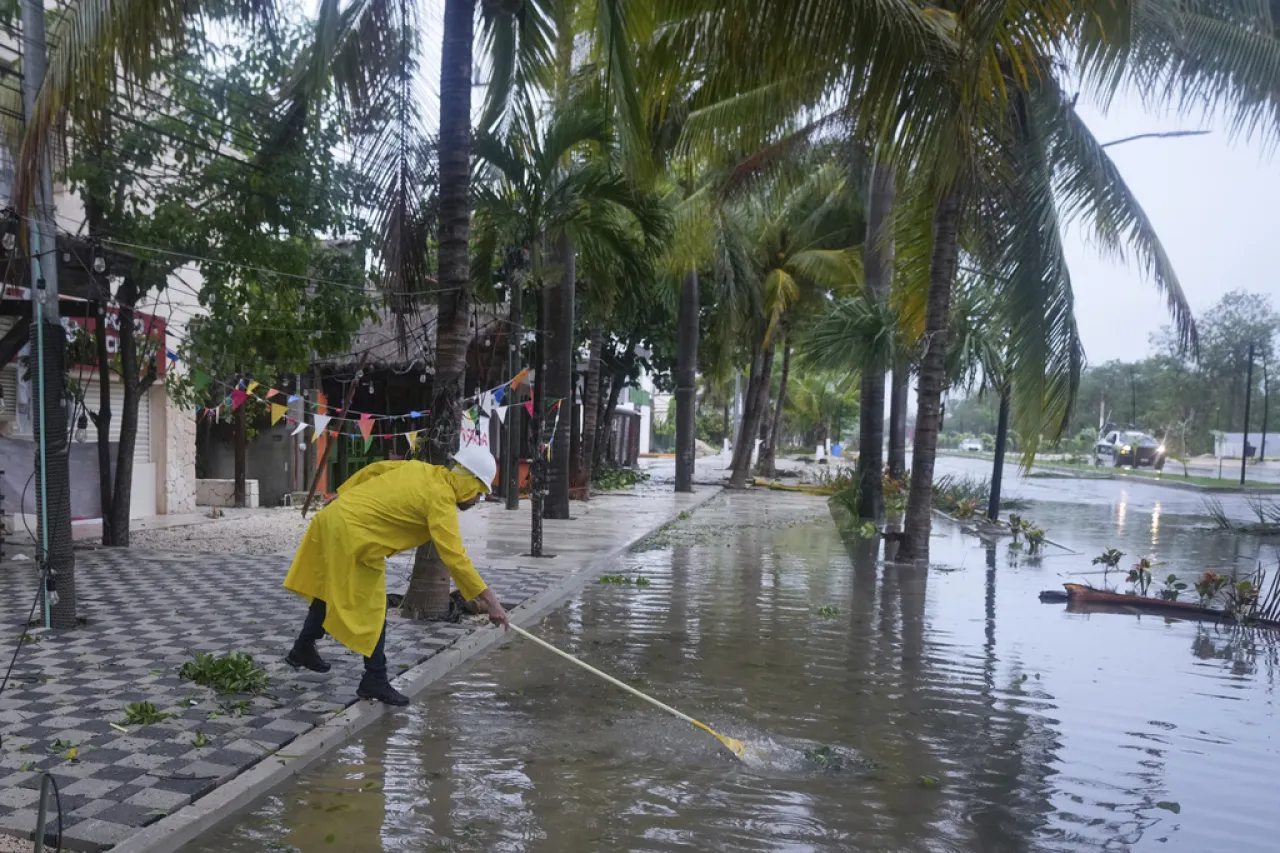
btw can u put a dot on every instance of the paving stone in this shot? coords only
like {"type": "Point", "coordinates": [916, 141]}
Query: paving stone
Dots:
{"type": "Point", "coordinates": [158, 798]}
{"type": "Point", "coordinates": [100, 832]}
{"type": "Point", "coordinates": [148, 613]}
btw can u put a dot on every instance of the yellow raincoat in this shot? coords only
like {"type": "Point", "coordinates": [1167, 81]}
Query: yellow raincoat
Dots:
{"type": "Point", "coordinates": [385, 508]}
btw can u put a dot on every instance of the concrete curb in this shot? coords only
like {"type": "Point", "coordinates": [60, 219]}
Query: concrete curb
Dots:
{"type": "Point", "coordinates": [188, 823]}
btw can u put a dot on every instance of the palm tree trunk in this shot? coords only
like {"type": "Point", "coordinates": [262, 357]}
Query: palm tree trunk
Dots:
{"type": "Point", "coordinates": [560, 379]}
{"type": "Point", "coordinates": [878, 263]}
{"type": "Point", "coordinates": [997, 467]}
{"type": "Point", "coordinates": [686, 383]}
{"type": "Point", "coordinates": [753, 417]}
{"type": "Point", "coordinates": [769, 450]}
{"type": "Point", "coordinates": [743, 441]}
{"type": "Point", "coordinates": [942, 276]}
{"type": "Point", "coordinates": [428, 593]}
{"type": "Point", "coordinates": [591, 405]}
{"type": "Point", "coordinates": [898, 392]}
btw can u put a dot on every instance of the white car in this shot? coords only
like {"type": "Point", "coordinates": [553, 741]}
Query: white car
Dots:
{"type": "Point", "coordinates": [971, 445]}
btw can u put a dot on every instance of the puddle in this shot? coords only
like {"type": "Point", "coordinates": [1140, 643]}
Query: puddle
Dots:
{"type": "Point", "coordinates": [951, 710]}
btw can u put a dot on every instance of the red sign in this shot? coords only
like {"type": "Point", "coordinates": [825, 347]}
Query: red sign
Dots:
{"type": "Point", "coordinates": [144, 326]}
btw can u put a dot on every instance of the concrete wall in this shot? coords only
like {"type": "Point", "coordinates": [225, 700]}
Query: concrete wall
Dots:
{"type": "Point", "coordinates": [269, 460]}
{"type": "Point", "coordinates": [223, 493]}
{"type": "Point", "coordinates": [179, 487]}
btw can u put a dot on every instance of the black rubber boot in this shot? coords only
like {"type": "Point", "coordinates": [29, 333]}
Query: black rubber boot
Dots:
{"type": "Point", "coordinates": [380, 690]}
{"type": "Point", "coordinates": [305, 656]}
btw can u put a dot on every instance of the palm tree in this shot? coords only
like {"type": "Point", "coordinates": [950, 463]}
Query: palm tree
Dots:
{"type": "Point", "coordinates": [801, 252]}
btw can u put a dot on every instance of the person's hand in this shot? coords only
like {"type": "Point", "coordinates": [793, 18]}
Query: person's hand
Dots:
{"type": "Point", "coordinates": [497, 613]}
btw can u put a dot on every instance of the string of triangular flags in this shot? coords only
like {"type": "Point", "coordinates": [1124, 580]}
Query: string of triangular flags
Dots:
{"type": "Point", "coordinates": [366, 421]}
{"type": "Point", "coordinates": [239, 392]}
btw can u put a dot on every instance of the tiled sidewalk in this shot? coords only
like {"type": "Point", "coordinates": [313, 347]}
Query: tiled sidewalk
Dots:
{"type": "Point", "coordinates": [149, 612]}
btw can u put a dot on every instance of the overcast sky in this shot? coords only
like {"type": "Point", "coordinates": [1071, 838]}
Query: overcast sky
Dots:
{"type": "Point", "coordinates": [1213, 204]}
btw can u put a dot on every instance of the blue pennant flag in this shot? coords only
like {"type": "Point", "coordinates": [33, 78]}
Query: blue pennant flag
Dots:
{"type": "Point", "coordinates": [498, 394]}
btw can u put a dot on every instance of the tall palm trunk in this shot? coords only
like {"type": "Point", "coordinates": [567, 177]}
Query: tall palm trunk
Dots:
{"type": "Point", "coordinates": [997, 467]}
{"type": "Point", "coordinates": [898, 417]}
{"type": "Point", "coordinates": [878, 263]}
{"type": "Point", "coordinates": [428, 593]}
{"type": "Point", "coordinates": [769, 450]}
{"type": "Point", "coordinates": [560, 379]}
{"type": "Point", "coordinates": [743, 441]}
{"type": "Point", "coordinates": [942, 276]}
{"type": "Point", "coordinates": [758, 402]}
{"type": "Point", "coordinates": [591, 404]}
{"type": "Point", "coordinates": [686, 383]}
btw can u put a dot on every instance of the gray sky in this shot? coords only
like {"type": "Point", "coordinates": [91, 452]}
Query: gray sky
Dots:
{"type": "Point", "coordinates": [1212, 202]}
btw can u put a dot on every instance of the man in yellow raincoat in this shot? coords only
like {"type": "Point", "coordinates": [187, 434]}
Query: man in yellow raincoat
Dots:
{"type": "Point", "coordinates": [386, 508]}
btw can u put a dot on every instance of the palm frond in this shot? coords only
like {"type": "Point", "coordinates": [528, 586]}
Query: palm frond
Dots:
{"type": "Point", "coordinates": [1091, 188]}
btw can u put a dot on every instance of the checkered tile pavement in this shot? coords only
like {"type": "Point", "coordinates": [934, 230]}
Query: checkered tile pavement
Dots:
{"type": "Point", "coordinates": [148, 613]}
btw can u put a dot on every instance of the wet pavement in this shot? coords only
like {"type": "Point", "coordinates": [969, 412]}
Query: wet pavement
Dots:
{"type": "Point", "coordinates": [939, 710]}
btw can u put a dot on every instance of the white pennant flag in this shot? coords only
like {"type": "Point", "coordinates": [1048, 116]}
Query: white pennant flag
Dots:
{"type": "Point", "coordinates": [487, 402]}
{"type": "Point", "coordinates": [322, 421]}
{"type": "Point", "coordinates": [502, 413]}
{"type": "Point", "coordinates": [299, 428]}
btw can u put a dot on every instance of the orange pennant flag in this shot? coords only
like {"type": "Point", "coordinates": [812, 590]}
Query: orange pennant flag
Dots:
{"type": "Point", "coordinates": [520, 378]}
{"type": "Point", "coordinates": [366, 428]}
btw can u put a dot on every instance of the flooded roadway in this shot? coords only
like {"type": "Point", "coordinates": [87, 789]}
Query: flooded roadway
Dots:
{"type": "Point", "coordinates": [931, 711]}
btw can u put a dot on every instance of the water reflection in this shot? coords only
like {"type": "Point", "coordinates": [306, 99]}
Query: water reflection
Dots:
{"type": "Point", "coordinates": [971, 717]}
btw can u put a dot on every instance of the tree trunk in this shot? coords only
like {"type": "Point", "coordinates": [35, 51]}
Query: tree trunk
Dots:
{"type": "Point", "coordinates": [942, 276]}
{"type": "Point", "coordinates": [878, 263]}
{"type": "Point", "coordinates": [560, 379]}
{"type": "Point", "coordinates": [898, 393]}
{"type": "Point", "coordinates": [428, 593]}
{"type": "Point", "coordinates": [618, 381]}
{"type": "Point", "coordinates": [769, 450]}
{"type": "Point", "coordinates": [745, 441]}
{"type": "Point", "coordinates": [241, 444]}
{"type": "Point", "coordinates": [752, 418]}
{"type": "Point", "coordinates": [997, 467]}
{"type": "Point", "coordinates": [762, 404]}
{"type": "Point", "coordinates": [591, 405]}
{"type": "Point", "coordinates": [686, 383]}
{"type": "Point", "coordinates": [102, 424]}
{"type": "Point", "coordinates": [121, 502]}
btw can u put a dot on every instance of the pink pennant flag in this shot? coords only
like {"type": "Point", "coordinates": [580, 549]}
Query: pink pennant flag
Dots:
{"type": "Point", "coordinates": [528, 407]}
{"type": "Point", "coordinates": [271, 392]}
{"type": "Point", "coordinates": [237, 398]}
{"type": "Point", "coordinates": [366, 427]}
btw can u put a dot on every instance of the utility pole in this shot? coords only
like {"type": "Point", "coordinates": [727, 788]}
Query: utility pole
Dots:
{"type": "Point", "coordinates": [1266, 407]}
{"type": "Point", "coordinates": [1248, 395]}
{"type": "Point", "coordinates": [53, 476]}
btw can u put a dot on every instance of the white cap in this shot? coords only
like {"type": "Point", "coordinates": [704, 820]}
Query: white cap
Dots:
{"type": "Point", "coordinates": [478, 462]}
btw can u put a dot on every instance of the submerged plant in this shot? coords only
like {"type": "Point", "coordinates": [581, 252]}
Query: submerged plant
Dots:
{"type": "Point", "coordinates": [1209, 586]}
{"type": "Point", "coordinates": [828, 611]}
{"type": "Point", "coordinates": [1140, 574]}
{"type": "Point", "coordinates": [1172, 586]}
{"type": "Point", "coordinates": [1241, 599]}
{"type": "Point", "coordinates": [233, 673]}
{"type": "Point", "coordinates": [1035, 540]}
{"type": "Point", "coordinates": [1109, 559]}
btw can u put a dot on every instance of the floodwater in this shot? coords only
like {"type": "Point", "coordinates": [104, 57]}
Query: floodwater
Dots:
{"type": "Point", "coordinates": [941, 710]}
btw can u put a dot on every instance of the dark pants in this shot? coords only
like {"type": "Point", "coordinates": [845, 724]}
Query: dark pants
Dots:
{"type": "Point", "coordinates": [375, 666]}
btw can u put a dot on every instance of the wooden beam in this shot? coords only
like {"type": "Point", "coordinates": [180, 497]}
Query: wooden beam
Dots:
{"type": "Point", "coordinates": [17, 336]}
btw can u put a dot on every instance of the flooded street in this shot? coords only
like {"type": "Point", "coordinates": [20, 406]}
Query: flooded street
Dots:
{"type": "Point", "coordinates": [893, 708]}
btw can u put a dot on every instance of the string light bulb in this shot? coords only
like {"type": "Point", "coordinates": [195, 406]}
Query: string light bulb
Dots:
{"type": "Point", "coordinates": [99, 264]}
{"type": "Point", "coordinates": [82, 428]}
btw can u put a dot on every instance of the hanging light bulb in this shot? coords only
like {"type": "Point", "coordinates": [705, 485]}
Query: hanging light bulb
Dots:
{"type": "Point", "coordinates": [421, 378]}
{"type": "Point", "coordinates": [99, 264]}
{"type": "Point", "coordinates": [82, 428]}
{"type": "Point", "coordinates": [9, 241]}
